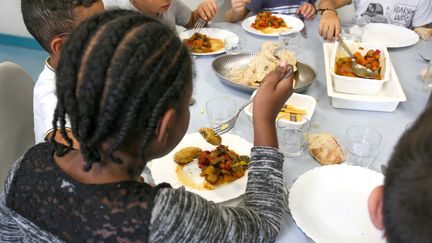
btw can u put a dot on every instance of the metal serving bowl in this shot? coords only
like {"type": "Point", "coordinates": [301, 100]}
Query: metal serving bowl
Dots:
{"type": "Point", "coordinates": [304, 76]}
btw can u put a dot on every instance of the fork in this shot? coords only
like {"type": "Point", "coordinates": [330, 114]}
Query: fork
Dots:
{"type": "Point", "coordinates": [199, 24]}
{"type": "Point", "coordinates": [227, 126]}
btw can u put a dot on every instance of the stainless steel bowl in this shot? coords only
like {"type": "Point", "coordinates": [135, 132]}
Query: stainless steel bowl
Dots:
{"type": "Point", "coordinates": [304, 76]}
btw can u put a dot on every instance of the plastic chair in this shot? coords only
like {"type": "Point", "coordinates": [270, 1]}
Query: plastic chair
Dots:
{"type": "Point", "coordinates": [16, 115]}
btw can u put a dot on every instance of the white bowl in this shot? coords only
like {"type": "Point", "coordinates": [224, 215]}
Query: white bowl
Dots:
{"type": "Point", "coordinates": [356, 85]}
{"type": "Point", "coordinates": [300, 101]}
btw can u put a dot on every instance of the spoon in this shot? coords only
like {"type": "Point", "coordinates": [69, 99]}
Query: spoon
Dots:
{"type": "Point", "coordinates": [357, 69]}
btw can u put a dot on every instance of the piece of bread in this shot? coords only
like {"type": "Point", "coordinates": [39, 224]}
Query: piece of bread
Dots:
{"type": "Point", "coordinates": [325, 149]}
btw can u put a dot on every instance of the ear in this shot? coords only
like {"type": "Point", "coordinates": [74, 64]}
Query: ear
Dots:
{"type": "Point", "coordinates": [375, 206]}
{"type": "Point", "coordinates": [164, 124]}
{"type": "Point", "coordinates": [56, 45]}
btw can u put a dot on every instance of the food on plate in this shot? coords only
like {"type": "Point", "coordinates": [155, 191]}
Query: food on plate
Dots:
{"type": "Point", "coordinates": [222, 165]}
{"type": "Point", "coordinates": [186, 155]}
{"type": "Point", "coordinates": [325, 149]}
{"type": "Point", "coordinates": [291, 113]}
{"type": "Point", "coordinates": [371, 60]}
{"type": "Point", "coordinates": [265, 61]}
{"type": "Point", "coordinates": [268, 23]}
{"type": "Point", "coordinates": [200, 43]}
{"type": "Point", "coordinates": [210, 136]}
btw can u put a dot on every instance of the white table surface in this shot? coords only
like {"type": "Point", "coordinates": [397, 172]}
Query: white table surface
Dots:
{"type": "Point", "coordinates": [326, 118]}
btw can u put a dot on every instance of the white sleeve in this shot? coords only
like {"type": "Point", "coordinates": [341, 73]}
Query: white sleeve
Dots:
{"type": "Point", "coordinates": [182, 13]}
{"type": "Point", "coordinates": [423, 13]}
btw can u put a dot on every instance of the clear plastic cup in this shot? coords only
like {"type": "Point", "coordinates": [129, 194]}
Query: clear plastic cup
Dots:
{"type": "Point", "coordinates": [362, 143]}
{"type": "Point", "coordinates": [220, 109]}
{"type": "Point", "coordinates": [234, 44]}
{"type": "Point", "coordinates": [290, 40]}
{"type": "Point", "coordinates": [291, 138]}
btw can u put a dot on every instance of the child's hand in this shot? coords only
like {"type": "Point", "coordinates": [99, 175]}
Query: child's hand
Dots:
{"type": "Point", "coordinates": [330, 26]}
{"type": "Point", "coordinates": [307, 10]}
{"type": "Point", "coordinates": [207, 10]}
{"type": "Point", "coordinates": [239, 6]}
{"type": "Point", "coordinates": [271, 96]}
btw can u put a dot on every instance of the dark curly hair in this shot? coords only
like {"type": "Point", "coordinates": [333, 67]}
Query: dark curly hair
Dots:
{"type": "Point", "coordinates": [118, 74]}
{"type": "Point", "coordinates": [46, 19]}
{"type": "Point", "coordinates": [407, 210]}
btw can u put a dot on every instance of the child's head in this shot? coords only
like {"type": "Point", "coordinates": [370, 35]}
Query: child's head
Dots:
{"type": "Point", "coordinates": [125, 81]}
{"type": "Point", "coordinates": [403, 206]}
{"type": "Point", "coordinates": [48, 19]}
{"type": "Point", "coordinates": [152, 6]}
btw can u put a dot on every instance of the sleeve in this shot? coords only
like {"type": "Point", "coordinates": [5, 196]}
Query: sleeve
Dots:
{"type": "Point", "coordinates": [255, 5]}
{"type": "Point", "coordinates": [183, 216]}
{"type": "Point", "coordinates": [182, 13]}
{"type": "Point", "coordinates": [423, 13]}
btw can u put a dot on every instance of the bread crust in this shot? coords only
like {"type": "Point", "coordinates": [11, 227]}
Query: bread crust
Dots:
{"type": "Point", "coordinates": [325, 149]}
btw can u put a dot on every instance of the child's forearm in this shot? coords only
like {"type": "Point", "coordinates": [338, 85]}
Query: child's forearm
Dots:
{"type": "Point", "coordinates": [233, 16]}
{"type": "Point", "coordinates": [333, 4]}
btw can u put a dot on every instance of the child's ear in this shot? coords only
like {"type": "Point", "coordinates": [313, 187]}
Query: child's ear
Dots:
{"type": "Point", "coordinates": [375, 206]}
{"type": "Point", "coordinates": [165, 123]}
{"type": "Point", "coordinates": [56, 45]}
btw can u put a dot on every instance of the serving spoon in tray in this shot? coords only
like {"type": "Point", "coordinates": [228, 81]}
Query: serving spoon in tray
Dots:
{"type": "Point", "coordinates": [358, 69]}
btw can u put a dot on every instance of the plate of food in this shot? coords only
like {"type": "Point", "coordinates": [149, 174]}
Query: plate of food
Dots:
{"type": "Point", "coordinates": [392, 36]}
{"type": "Point", "coordinates": [329, 203]}
{"type": "Point", "coordinates": [268, 24]}
{"type": "Point", "coordinates": [215, 172]}
{"type": "Point", "coordinates": [208, 41]}
{"type": "Point", "coordinates": [245, 71]}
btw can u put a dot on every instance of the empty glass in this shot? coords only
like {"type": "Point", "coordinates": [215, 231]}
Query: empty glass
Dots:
{"type": "Point", "coordinates": [362, 144]}
{"type": "Point", "coordinates": [220, 109]}
{"type": "Point", "coordinates": [290, 40]}
{"type": "Point", "coordinates": [291, 138]}
{"type": "Point", "coordinates": [351, 31]}
{"type": "Point", "coordinates": [234, 44]}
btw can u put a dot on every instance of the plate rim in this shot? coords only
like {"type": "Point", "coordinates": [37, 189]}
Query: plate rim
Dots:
{"type": "Point", "coordinates": [252, 31]}
{"type": "Point", "coordinates": [208, 53]}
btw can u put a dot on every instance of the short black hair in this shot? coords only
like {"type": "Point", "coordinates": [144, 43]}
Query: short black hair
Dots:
{"type": "Point", "coordinates": [118, 74]}
{"type": "Point", "coordinates": [407, 207]}
{"type": "Point", "coordinates": [46, 19]}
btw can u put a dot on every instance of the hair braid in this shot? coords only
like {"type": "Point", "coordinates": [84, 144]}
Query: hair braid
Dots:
{"type": "Point", "coordinates": [117, 76]}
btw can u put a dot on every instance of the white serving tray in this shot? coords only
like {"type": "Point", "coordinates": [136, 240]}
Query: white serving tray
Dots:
{"type": "Point", "coordinates": [387, 100]}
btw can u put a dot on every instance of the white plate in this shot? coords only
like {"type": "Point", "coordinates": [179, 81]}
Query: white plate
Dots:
{"type": "Point", "coordinates": [329, 203]}
{"type": "Point", "coordinates": [295, 23]}
{"type": "Point", "coordinates": [210, 32]}
{"type": "Point", "coordinates": [300, 101]}
{"type": "Point", "coordinates": [386, 100]}
{"type": "Point", "coordinates": [392, 36]}
{"type": "Point", "coordinates": [164, 169]}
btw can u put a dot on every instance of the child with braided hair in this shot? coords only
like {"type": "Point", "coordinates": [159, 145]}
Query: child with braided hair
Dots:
{"type": "Point", "coordinates": [125, 81]}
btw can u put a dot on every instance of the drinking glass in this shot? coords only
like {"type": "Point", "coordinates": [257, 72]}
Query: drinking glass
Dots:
{"type": "Point", "coordinates": [291, 138]}
{"type": "Point", "coordinates": [290, 40]}
{"type": "Point", "coordinates": [428, 76]}
{"type": "Point", "coordinates": [351, 31]}
{"type": "Point", "coordinates": [362, 144]}
{"type": "Point", "coordinates": [220, 109]}
{"type": "Point", "coordinates": [234, 44]}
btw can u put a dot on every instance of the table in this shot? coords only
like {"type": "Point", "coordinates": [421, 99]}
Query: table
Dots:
{"type": "Point", "coordinates": [326, 118]}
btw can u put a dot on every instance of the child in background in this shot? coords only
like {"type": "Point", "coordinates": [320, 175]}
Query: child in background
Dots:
{"type": "Point", "coordinates": [241, 8]}
{"type": "Point", "coordinates": [169, 12]}
{"type": "Point", "coordinates": [127, 97]}
{"type": "Point", "coordinates": [415, 14]}
{"type": "Point", "coordinates": [50, 23]}
{"type": "Point", "coordinates": [402, 207]}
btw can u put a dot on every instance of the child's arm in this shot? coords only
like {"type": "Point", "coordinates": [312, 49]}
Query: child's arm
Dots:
{"type": "Point", "coordinates": [238, 11]}
{"type": "Point", "coordinates": [330, 23]}
{"type": "Point", "coordinates": [205, 10]}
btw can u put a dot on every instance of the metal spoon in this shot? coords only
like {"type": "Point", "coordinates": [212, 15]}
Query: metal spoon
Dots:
{"type": "Point", "coordinates": [358, 69]}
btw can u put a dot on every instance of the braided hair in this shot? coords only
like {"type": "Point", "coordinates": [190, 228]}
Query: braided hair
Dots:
{"type": "Point", "coordinates": [118, 74]}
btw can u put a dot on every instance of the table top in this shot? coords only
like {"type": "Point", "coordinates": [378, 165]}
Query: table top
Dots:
{"type": "Point", "coordinates": [326, 118]}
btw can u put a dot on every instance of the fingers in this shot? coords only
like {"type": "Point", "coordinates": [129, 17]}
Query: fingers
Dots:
{"type": "Point", "coordinates": [239, 5]}
{"type": "Point", "coordinates": [207, 10]}
{"type": "Point", "coordinates": [309, 12]}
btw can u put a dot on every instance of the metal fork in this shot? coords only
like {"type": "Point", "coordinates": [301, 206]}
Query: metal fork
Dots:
{"type": "Point", "coordinates": [199, 24]}
{"type": "Point", "coordinates": [227, 126]}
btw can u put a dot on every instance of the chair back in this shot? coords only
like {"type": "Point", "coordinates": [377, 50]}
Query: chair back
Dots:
{"type": "Point", "coordinates": [16, 115]}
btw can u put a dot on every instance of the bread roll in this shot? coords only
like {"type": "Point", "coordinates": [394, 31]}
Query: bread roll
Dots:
{"type": "Point", "coordinates": [325, 149]}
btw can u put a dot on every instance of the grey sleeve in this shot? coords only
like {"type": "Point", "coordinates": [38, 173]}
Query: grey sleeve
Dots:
{"type": "Point", "coordinates": [181, 216]}
{"type": "Point", "coordinates": [182, 12]}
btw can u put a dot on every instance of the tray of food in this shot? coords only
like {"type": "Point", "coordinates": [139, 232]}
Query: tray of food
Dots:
{"type": "Point", "coordinates": [268, 24]}
{"type": "Point", "coordinates": [245, 71]}
{"type": "Point", "coordinates": [387, 99]}
{"type": "Point", "coordinates": [208, 41]}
